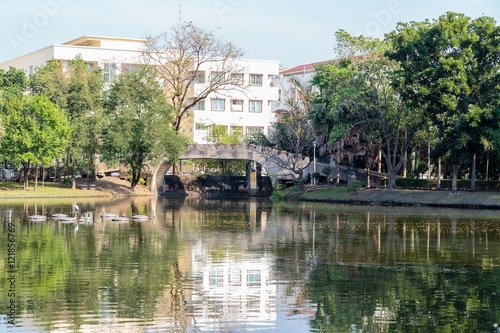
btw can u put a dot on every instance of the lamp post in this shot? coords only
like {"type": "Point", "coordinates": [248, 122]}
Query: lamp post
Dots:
{"type": "Point", "coordinates": [314, 162]}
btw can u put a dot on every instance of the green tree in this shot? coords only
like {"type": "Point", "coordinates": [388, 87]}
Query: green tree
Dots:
{"type": "Point", "coordinates": [76, 89]}
{"type": "Point", "coordinates": [450, 67]}
{"type": "Point", "coordinates": [13, 83]}
{"type": "Point", "coordinates": [359, 106]}
{"type": "Point", "coordinates": [36, 132]}
{"type": "Point", "coordinates": [140, 128]}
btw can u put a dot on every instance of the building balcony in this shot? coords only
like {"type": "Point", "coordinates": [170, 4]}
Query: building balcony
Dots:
{"type": "Point", "coordinates": [277, 106]}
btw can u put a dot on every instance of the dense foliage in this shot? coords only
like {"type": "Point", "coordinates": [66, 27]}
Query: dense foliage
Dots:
{"type": "Point", "coordinates": [429, 89]}
{"type": "Point", "coordinates": [434, 83]}
{"type": "Point", "coordinates": [137, 106]}
{"type": "Point", "coordinates": [59, 114]}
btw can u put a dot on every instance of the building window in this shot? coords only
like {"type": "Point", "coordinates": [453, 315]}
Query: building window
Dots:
{"type": "Point", "coordinates": [218, 77]}
{"type": "Point", "coordinates": [217, 132]}
{"type": "Point", "coordinates": [253, 277]}
{"type": "Point", "coordinates": [255, 106]}
{"type": "Point", "coordinates": [199, 77]}
{"type": "Point", "coordinates": [270, 78]}
{"type": "Point", "coordinates": [236, 131]}
{"type": "Point", "coordinates": [237, 79]}
{"type": "Point", "coordinates": [237, 105]}
{"type": "Point", "coordinates": [253, 130]}
{"type": "Point", "coordinates": [129, 68]}
{"type": "Point", "coordinates": [216, 277]}
{"type": "Point", "coordinates": [109, 71]}
{"type": "Point", "coordinates": [218, 104]}
{"type": "Point", "coordinates": [235, 277]}
{"type": "Point", "coordinates": [199, 106]}
{"type": "Point", "coordinates": [91, 65]}
{"type": "Point", "coordinates": [201, 127]}
{"type": "Point", "coordinates": [256, 80]}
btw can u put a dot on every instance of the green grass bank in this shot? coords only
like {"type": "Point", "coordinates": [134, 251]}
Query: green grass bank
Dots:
{"type": "Point", "coordinates": [400, 197]}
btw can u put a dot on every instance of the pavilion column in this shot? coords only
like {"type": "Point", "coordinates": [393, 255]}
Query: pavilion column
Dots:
{"type": "Point", "coordinates": [251, 175]}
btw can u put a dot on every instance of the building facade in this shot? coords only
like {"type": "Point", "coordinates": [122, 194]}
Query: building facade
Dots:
{"type": "Point", "coordinates": [243, 111]}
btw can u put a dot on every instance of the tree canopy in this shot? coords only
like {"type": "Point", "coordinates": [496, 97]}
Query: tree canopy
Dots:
{"type": "Point", "coordinates": [77, 89]}
{"type": "Point", "coordinates": [137, 106]}
{"type": "Point", "coordinates": [450, 67]}
{"type": "Point", "coordinates": [36, 132]}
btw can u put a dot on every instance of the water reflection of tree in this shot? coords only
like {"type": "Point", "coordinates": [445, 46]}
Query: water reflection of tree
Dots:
{"type": "Point", "coordinates": [124, 276]}
{"type": "Point", "coordinates": [413, 279]}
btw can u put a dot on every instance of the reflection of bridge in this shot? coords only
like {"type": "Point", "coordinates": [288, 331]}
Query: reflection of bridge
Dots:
{"type": "Point", "coordinates": [271, 160]}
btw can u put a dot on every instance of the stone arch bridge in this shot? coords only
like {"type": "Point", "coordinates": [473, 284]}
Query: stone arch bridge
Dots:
{"type": "Point", "coordinates": [278, 165]}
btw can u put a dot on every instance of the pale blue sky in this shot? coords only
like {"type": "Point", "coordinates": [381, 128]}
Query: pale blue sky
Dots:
{"type": "Point", "coordinates": [292, 32]}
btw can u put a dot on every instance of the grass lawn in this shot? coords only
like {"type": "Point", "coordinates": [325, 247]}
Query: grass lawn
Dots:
{"type": "Point", "coordinates": [464, 199]}
{"type": "Point", "coordinates": [10, 189]}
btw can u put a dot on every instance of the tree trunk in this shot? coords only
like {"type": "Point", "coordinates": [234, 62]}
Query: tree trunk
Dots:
{"type": "Point", "coordinates": [454, 180]}
{"type": "Point", "coordinates": [405, 164]}
{"type": "Point", "coordinates": [487, 166]}
{"type": "Point", "coordinates": [135, 179]}
{"type": "Point", "coordinates": [473, 174]}
{"type": "Point", "coordinates": [438, 182]}
{"type": "Point", "coordinates": [429, 161]}
{"type": "Point", "coordinates": [91, 177]}
{"type": "Point", "coordinates": [72, 175]}
{"type": "Point", "coordinates": [175, 169]}
{"type": "Point", "coordinates": [133, 184]}
{"type": "Point", "coordinates": [368, 183]}
{"type": "Point", "coordinates": [392, 179]}
{"type": "Point", "coordinates": [379, 160]}
{"type": "Point", "coordinates": [37, 170]}
{"type": "Point", "coordinates": [26, 172]}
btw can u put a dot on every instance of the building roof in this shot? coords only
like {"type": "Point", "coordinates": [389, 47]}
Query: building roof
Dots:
{"type": "Point", "coordinates": [90, 40]}
{"type": "Point", "coordinates": [304, 69]}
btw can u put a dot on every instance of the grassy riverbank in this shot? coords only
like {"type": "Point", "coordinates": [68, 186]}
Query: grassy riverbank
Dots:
{"type": "Point", "coordinates": [106, 187]}
{"type": "Point", "coordinates": [115, 187]}
{"type": "Point", "coordinates": [480, 200]}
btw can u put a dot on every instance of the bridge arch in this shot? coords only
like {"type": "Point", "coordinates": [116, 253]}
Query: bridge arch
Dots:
{"type": "Point", "coordinates": [273, 161]}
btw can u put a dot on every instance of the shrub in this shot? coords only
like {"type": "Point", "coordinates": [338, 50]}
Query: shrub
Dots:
{"type": "Point", "coordinates": [142, 181]}
{"type": "Point", "coordinates": [462, 185]}
{"type": "Point", "coordinates": [68, 181]}
{"type": "Point", "coordinates": [354, 185]}
{"type": "Point", "coordinates": [327, 171]}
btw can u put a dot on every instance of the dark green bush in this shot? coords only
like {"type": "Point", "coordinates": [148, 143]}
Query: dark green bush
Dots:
{"type": "Point", "coordinates": [354, 185]}
{"type": "Point", "coordinates": [462, 185]}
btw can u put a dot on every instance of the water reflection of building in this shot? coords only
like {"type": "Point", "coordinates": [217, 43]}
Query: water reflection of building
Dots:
{"type": "Point", "coordinates": [235, 289]}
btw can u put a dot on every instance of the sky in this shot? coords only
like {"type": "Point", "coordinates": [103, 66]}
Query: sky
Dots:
{"type": "Point", "coordinates": [289, 31]}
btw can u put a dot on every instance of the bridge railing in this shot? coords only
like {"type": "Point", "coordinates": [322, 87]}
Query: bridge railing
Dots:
{"type": "Point", "coordinates": [377, 179]}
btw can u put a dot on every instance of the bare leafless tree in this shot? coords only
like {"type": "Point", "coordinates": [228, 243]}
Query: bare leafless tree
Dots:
{"type": "Point", "coordinates": [186, 54]}
{"type": "Point", "coordinates": [291, 138]}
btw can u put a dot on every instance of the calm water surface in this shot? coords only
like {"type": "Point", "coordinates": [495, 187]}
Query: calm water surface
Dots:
{"type": "Point", "coordinates": [247, 266]}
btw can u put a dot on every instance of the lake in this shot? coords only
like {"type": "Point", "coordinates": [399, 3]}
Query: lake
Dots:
{"type": "Point", "coordinates": [195, 265]}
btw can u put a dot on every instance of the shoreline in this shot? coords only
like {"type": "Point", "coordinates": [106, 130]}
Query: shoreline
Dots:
{"type": "Point", "coordinates": [403, 197]}
{"type": "Point", "coordinates": [119, 188]}
{"type": "Point", "coordinates": [108, 187]}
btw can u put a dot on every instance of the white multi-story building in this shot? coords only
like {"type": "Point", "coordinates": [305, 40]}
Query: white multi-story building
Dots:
{"type": "Point", "coordinates": [245, 110]}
